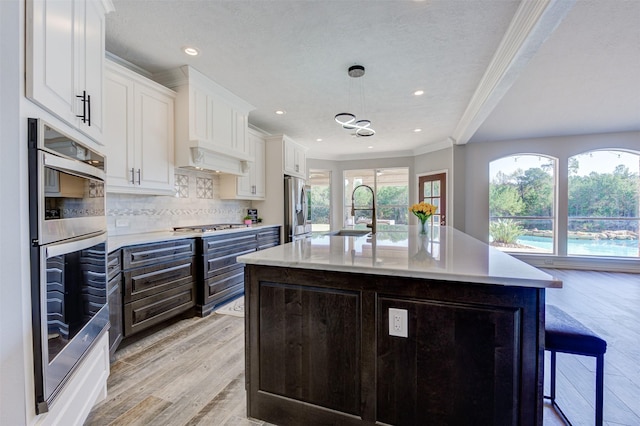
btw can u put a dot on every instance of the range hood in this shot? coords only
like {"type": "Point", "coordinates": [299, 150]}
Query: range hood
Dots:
{"type": "Point", "coordinates": [211, 123]}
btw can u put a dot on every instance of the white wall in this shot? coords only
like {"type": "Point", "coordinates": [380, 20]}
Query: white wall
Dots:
{"type": "Point", "coordinates": [15, 354]}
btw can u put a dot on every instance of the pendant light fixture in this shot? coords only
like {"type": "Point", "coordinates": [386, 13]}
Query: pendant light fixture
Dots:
{"type": "Point", "coordinates": [348, 120]}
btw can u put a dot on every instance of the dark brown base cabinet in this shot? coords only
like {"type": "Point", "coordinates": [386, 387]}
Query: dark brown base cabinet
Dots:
{"type": "Point", "coordinates": [151, 283]}
{"type": "Point", "coordinates": [223, 276]}
{"type": "Point", "coordinates": [318, 350]}
{"type": "Point", "coordinates": [159, 282]}
{"type": "Point", "coordinates": [114, 292]}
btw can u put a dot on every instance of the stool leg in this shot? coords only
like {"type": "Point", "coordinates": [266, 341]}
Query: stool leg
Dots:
{"type": "Point", "coordinates": [553, 376]}
{"type": "Point", "coordinates": [599, 388]}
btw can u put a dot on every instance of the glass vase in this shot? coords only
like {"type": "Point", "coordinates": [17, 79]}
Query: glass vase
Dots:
{"type": "Point", "coordinates": [423, 229]}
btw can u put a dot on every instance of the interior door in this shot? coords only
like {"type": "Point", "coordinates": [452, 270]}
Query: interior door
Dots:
{"type": "Point", "coordinates": [433, 190]}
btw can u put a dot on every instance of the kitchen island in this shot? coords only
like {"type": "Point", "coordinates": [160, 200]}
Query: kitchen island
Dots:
{"type": "Point", "coordinates": [325, 331]}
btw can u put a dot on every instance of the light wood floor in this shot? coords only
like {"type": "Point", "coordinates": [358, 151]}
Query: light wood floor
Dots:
{"type": "Point", "coordinates": [192, 372]}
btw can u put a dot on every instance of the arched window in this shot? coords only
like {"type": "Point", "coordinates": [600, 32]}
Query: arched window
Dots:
{"type": "Point", "coordinates": [522, 203]}
{"type": "Point", "coordinates": [603, 204]}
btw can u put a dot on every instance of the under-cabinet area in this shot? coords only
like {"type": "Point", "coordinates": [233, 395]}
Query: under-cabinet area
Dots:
{"type": "Point", "coordinates": [165, 276]}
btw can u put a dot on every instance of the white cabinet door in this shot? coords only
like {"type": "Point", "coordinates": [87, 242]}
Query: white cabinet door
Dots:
{"type": "Point", "coordinates": [289, 158]}
{"type": "Point", "coordinates": [294, 159]}
{"type": "Point", "coordinates": [118, 133]}
{"type": "Point", "coordinates": [259, 169]}
{"type": "Point", "coordinates": [51, 67]}
{"type": "Point", "coordinates": [154, 139]}
{"type": "Point", "coordinates": [65, 54]}
{"type": "Point", "coordinates": [91, 61]}
{"type": "Point", "coordinates": [252, 185]}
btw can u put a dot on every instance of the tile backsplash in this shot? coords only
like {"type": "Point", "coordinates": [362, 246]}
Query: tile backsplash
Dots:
{"type": "Point", "coordinates": [196, 202]}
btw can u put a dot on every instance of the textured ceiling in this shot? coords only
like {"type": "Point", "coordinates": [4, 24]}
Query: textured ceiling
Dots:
{"type": "Point", "coordinates": [294, 55]}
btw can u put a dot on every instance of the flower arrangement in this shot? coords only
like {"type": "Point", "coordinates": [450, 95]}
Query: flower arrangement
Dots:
{"type": "Point", "coordinates": [423, 211]}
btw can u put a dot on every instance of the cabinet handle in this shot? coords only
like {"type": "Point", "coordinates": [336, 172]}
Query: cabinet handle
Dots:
{"type": "Point", "coordinates": [139, 177]}
{"type": "Point", "coordinates": [89, 110]}
{"type": "Point", "coordinates": [133, 181]}
{"type": "Point", "coordinates": [83, 97]}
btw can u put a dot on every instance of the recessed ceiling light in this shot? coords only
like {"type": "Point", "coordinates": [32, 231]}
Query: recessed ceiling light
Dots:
{"type": "Point", "coordinates": [370, 146]}
{"type": "Point", "coordinates": [417, 130]}
{"type": "Point", "coordinates": [319, 140]}
{"type": "Point", "coordinates": [191, 51]}
{"type": "Point", "coordinates": [418, 92]}
{"type": "Point", "coordinates": [281, 112]}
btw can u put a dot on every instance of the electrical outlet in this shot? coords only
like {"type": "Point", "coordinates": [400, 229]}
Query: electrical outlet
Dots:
{"type": "Point", "coordinates": [122, 223]}
{"type": "Point", "coordinates": [398, 322]}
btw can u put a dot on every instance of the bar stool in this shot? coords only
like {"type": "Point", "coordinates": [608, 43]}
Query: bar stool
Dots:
{"type": "Point", "coordinates": [563, 333]}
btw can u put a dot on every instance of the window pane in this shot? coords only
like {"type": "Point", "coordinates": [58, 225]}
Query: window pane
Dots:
{"type": "Point", "coordinates": [353, 178]}
{"type": "Point", "coordinates": [427, 190]}
{"type": "Point", "coordinates": [521, 203]}
{"type": "Point", "coordinates": [392, 198]}
{"type": "Point", "coordinates": [436, 188]}
{"type": "Point", "coordinates": [391, 188]}
{"type": "Point", "coordinates": [604, 208]}
{"type": "Point", "coordinates": [320, 199]}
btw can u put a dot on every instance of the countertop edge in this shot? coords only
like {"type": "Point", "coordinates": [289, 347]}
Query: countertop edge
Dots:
{"type": "Point", "coordinates": [116, 242]}
{"type": "Point", "coordinates": [354, 269]}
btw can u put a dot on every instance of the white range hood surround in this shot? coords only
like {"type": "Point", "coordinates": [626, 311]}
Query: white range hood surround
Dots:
{"type": "Point", "coordinates": [212, 160]}
{"type": "Point", "coordinates": [211, 123]}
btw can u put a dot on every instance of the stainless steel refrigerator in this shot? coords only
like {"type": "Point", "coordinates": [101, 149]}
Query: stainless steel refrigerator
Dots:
{"type": "Point", "coordinates": [297, 223]}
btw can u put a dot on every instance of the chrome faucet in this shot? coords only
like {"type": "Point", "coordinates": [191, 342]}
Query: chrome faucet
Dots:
{"type": "Point", "coordinates": [371, 225]}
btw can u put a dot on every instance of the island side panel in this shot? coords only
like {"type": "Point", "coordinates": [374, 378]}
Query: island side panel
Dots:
{"type": "Point", "coordinates": [473, 349]}
{"type": "Point", "coordinates": [452, 349]}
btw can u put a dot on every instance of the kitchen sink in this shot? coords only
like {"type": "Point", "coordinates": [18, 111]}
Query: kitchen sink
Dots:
{"type": "Point", "coordinates": [350, 232]}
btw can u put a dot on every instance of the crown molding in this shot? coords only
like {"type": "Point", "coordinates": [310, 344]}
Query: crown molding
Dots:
{"type": "Point", "coordinates": [432, 147]}
{"type": "Point", "coordinates": [532, 24]}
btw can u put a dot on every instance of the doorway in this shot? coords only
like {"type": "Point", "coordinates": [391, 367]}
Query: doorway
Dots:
{"type": "Point", "coordinates": [432, 189]}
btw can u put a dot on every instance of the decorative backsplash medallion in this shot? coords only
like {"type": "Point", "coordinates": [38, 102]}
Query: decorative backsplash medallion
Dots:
{"type": "Point", "coordinates": [96, 189]}
{"type": "Point", "coordinates": [204, 187]}
{"type": "Point", "coordinates": [182, 186]}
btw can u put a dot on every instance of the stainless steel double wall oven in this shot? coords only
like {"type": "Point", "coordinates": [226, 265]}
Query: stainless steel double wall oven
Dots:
{"type": "Point", "coordinates": [67, 225]}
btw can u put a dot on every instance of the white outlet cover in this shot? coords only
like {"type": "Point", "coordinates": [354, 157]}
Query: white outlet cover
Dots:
{"type": "Point", "coordinates": [398, 322]}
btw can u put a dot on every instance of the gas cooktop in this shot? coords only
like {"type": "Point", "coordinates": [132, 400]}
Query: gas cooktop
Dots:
{"type": "Point", "coordinates": [209, 228]}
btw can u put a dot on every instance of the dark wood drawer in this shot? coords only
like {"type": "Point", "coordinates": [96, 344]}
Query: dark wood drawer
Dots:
{"type": "Point", "coordinates": [268, 238]}
{"type": "Point", "coordinates": [144, 313]}
{"type": "Point", "coordinates": [231, 277]}
{"type": "Point", "coordinates": [215, 263]}
{"type": "Point", "coordinates": [220, 252]}
{"type": "Point", "coordinates": [148, 254]}
{"type": "Point", "coordinates": [237, 240]}
{"type": "Point", "coordinates": [223, 296]}
{"type": "Point", "coordinates": [115, 313]}
{"type": "Point", "coordinates": [113, 264]}
{"type": "Point", "coordinates": [143, 282]}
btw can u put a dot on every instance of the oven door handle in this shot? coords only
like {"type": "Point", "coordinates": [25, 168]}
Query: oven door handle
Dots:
{"type": "Point", "coordinates": [72, 167]}
{"type": "Point", "coordinates": [75, 245]}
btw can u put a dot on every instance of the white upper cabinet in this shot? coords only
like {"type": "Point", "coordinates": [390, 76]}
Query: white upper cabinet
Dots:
{"type": "Point", "coordinates": [252, 185]}
{"type": "Point", "coordinates": [139, 133]}
{"type": "Point", "coordinates": [294, 158]}
{"type": "Point", "coordinates": [65, 60]}
{"type": "Point", "coordinates": [211, 123]}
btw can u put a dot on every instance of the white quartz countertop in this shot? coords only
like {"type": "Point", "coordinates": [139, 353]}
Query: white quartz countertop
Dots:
{"type": "Point", "coordinates": [118, 241]}
{"type": "Point", "coordinates": [444, 254]}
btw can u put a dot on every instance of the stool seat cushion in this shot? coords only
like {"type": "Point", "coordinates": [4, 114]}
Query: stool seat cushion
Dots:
{"type": "Point", "coordinates": [563, 333]}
